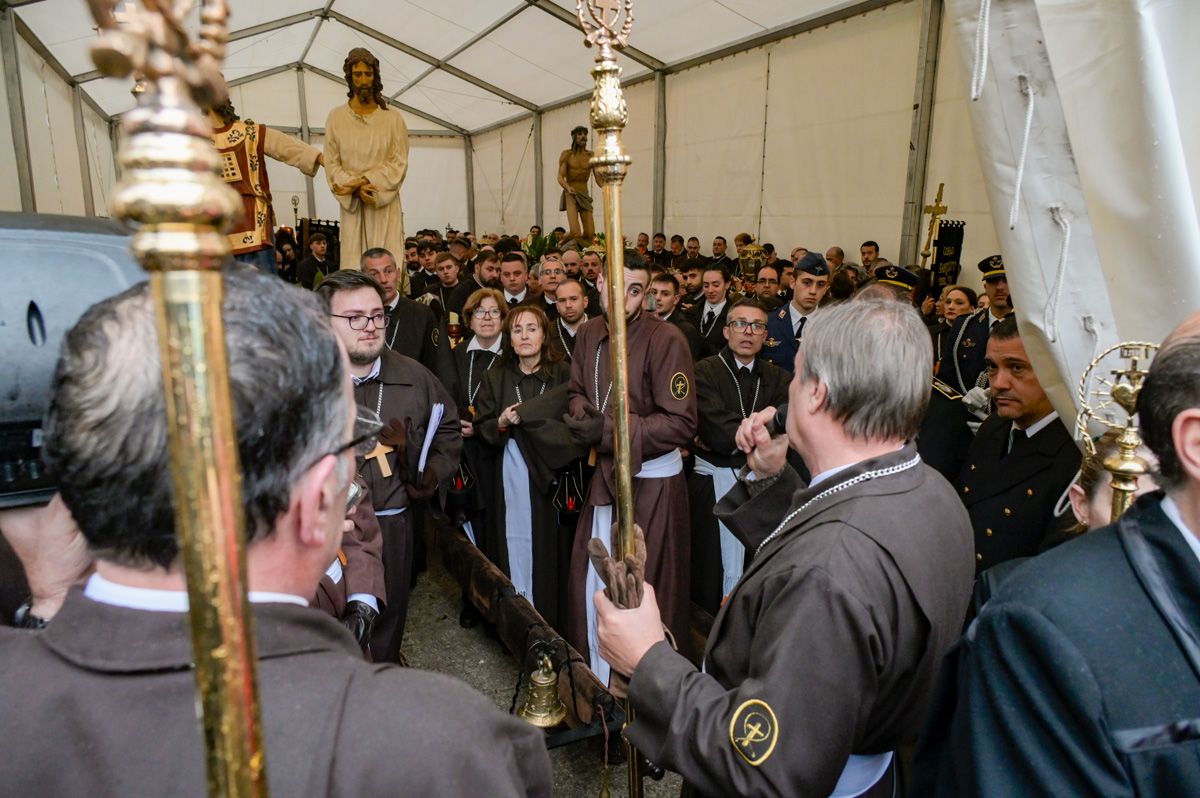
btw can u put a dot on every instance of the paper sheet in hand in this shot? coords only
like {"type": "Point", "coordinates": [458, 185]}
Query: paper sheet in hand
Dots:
{"type": "Point", "coordinates": [435, 419]}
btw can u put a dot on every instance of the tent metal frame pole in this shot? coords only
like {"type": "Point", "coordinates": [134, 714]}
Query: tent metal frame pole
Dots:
{"type": "Point", "coordinates": [469, 152]}
{"type": "Point", "coordinates": [922, 124]}
{"type": "Point", "coordinates": [85, 168]}
{"type": "Point", "coordinates": [16, 108]}
{"type": "Point", "coordinates": [660, 151]}
{"type": "Point", "coordinates": [306, 135]}
{"type": "Point", "coordinates": [539, 190]}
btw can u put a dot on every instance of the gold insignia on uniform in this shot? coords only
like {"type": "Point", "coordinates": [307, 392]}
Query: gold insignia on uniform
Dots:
{"type": "Point", "coordinates": [771, 342]}
{"type": "Point", "coordinates": [945, 390]}
{"type": "Point", "coordinates": [783, 313]}
{"type": "Point", "coordinates": [680, 385]}
{"type": "Point", "coordinates": [754, 731]}
{"type": "Point", "coordinates": [891, 273]}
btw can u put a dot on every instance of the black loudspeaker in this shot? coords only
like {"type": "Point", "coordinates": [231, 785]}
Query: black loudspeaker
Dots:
{"type": "Point", "coordinates": [52, 269]}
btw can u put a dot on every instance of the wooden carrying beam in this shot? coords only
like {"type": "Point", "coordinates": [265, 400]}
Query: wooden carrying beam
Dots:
{"type": "Point", "coordinates": [518, 624]}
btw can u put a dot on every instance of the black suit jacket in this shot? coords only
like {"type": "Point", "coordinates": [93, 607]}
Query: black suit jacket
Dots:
{"type": "Point", "coordinates": [412, 331]}
{"type": "Point", "coordinates": [680, 320]}
{"type": "Point", "coordinates": [1011, 498]}
{"type": "Point", "coordinates": [712, 336]}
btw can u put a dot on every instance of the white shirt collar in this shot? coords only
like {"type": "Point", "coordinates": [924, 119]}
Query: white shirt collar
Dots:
{"type": "Point", "coordinates": [395, 301]}
{"type": "Point", "coordinates": [475, 346]}
{"type": "Point", "coordinates": [824, 475]}
{"type": "Point", "coordinates": [737, 365]}
{"type": "Point", "coordinates": [1040, 424]}
{"type": "Point", "coordinates": [519, 297]}
{"type": "Point", "coordinates": [104, 591]}
{"type": "Point", "coordinates": [716, 309]}
{"type": "Point", "coordinates": [1171, 510]}
{"type": "Point", "coordinates": [795, 315]}
{"type": "Point", "coordinates": [578, 324]}
{"type": "Point", "coordinates": [372, 374]}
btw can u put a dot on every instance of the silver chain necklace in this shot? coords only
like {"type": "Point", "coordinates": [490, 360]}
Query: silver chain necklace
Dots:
{"type": "Point", "coordinates": [864, 477]}
{"type": "Point", "coordinates": [737, 386]}
{"type": "Point", "coordinates": [596, 382]}
{"type": "Point", "coordinates": [473, 392]}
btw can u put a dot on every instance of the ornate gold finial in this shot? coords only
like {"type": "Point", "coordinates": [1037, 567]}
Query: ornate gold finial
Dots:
{"type": "Point", "coordinates": [171, 192]}
{"type": "Point", "coordinates": [1111, 402]}
{"type": "Point", "coordinates": [600, 23]}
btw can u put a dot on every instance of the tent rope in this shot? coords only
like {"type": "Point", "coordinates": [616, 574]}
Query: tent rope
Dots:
{"type": "Point", "coordinates": [1027, 90]}
{"type": "Point", "coordinates": [979, 72]}
{"type": "Point", "coordinates": [1050, 312]}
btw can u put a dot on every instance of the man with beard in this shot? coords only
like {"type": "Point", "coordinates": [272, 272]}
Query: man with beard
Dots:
{"type": "Point", "coordinates": [366, 159]}
{"type": "Point", "coordinates": [402, 393]}
{"type": "Point", "coordinates": [766, 287]}
{"type": "Point", "coordinates": [691, 291]}
{"type": "Point", "coordinates": [574, 171]}
{"type": "Point", "coordinates": [487, 275]}
{"type": "Point", "coordinates": [570, 314]}
{"type": "Point", "coordinates": [720, 257]}
{"type": "Point", "coordinates": [659, 255]}
{"type": "Point", "coordinates": [662, 419]}
{"type": "Point", "coordinates": [665, 290]}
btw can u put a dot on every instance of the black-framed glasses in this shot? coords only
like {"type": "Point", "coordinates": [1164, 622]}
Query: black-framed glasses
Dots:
{"type": "Point", "coordinates": [365, 436]}
{"type": "Point", "coordinates": [358, 322]}
{"type": "Point", "coordinates": [756, 327]}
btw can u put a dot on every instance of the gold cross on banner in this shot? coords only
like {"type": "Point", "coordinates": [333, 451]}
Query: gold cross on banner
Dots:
{"type": "Point", "coordinates": [379, 455]}
{"type": "Point", "coordinates": [935, 212]}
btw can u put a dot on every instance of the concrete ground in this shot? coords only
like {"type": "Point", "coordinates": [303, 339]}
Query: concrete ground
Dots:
{"type": "Point", "coordinates": [434, 641]}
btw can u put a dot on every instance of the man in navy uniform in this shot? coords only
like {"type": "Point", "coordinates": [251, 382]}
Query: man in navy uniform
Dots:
{"type": "Point", "coordinates": [963, 364]}
{"type": "Point", "coordinates": [1021, 461]}
{"type": "Point", "coordinates": [785, 327]}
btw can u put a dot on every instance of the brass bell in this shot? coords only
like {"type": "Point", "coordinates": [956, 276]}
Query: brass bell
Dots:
{"type": "Point", "coordinates": [542, 706]}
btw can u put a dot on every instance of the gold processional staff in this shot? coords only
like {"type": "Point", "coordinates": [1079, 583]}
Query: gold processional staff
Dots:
{"type": "Point", "coordinates": [170, 191]}
{"type": "Point", "coordinates": [606, 25]}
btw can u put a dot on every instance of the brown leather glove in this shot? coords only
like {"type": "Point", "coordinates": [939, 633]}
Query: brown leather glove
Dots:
{"type": "Point", "coordinates": [623, 582]}
{"type": "Point", "coordinates": [395, 434]}
{"type": "Point", "coordinates": [588, 429]}
{"type": "Point", "coordinates": [425, 490]}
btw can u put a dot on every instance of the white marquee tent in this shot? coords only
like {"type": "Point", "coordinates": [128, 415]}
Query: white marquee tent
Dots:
{"type": "Point", "coordinates": [802, 122]}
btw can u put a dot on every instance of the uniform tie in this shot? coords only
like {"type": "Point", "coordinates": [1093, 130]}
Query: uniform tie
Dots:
{"type": "Point", "coordinates": [709, 318]}
{"type": "Point", "coordinates": [800, 327]}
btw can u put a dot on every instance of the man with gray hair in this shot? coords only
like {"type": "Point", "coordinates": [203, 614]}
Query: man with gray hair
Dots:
{"type": "Point", "coordinates": [104, 698]}
{"type": "Point", "coordinates": [826, 651]}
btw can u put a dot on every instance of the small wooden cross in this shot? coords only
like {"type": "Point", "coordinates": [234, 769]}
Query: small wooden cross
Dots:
{"type": "Point", "coordinates": [379, 455]}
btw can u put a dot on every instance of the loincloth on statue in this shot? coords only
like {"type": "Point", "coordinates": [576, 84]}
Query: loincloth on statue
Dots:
{"type": "Point", "coordinates": [583, 201]}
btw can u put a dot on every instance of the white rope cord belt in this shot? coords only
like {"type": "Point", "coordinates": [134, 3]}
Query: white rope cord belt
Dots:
{"type": "Point", "coordinates": [864, 477]}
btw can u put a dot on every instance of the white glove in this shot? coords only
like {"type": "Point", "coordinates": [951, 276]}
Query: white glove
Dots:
{"type": "Point", "coordinates": [978, 401]}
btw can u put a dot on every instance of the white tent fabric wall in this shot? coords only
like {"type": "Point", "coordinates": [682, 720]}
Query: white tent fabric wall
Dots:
{"type": "Point", "coordinates": [1106, 207]}
{"type": "Point", "coordinates": [489, 182]}
{"type": "Point", "coordinates": [520, 158]}
{"type": "Point", "coordinates": [50, 121]}
{"type": "Point", "coordinates": [101, 166]}
{"type": "Point", "coordinates": [838, 113]}
{"type": "Point", "coordinates": [714, 148]}
{"type": "Point", "coordinates": [953, 160]}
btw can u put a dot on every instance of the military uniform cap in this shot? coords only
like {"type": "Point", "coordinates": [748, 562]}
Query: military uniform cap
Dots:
{"type": "Point", "coordinates": [992, 266]}
{"type": "Point", "coordinates": [814, 264]}
{"type": "Point", "coordinates": [897, 276]}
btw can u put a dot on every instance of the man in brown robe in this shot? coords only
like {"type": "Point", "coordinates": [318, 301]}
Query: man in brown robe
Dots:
{"type": "Point", "coordinates": [821, 663]}
{"type": "Point", "coordinates": [103, 701]}
{"type": "Point", "coordinates": [403, 393]}
{"type": "Point", "coordinates": [662, 419]}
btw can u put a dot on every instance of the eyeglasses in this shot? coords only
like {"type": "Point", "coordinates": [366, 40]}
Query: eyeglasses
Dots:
{"type": "Point", "coordinates": [367, 425]}
{"type": "Point", "coordinates": [486, 313]}
{"type": "Point", "coordinates": [360, 322]}
{"type": "Point", "coordinates": [756, 327]}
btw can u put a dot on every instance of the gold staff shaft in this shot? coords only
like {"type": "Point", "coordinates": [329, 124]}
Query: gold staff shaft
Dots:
{"type": "Point", "coordinates": [172, 194]}
{"type": "Point", "coordinates": [598, 19]}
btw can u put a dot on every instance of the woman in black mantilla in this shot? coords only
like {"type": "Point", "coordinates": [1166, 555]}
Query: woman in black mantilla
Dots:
{"type": "Point", "coordinates": [533, 549]}
{"type": "Point", "coordinates": [474, 488]}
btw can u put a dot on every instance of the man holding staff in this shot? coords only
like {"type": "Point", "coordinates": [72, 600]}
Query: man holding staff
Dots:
{"type": "Point", "coordinates": [819, 665]}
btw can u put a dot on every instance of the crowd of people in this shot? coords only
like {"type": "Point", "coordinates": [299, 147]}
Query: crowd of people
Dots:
{"type": "Point", "coordinates": [842, 464]}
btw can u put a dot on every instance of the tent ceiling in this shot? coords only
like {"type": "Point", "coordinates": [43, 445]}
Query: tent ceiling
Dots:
{"type": "Point", "coordinates": [463, 62]}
